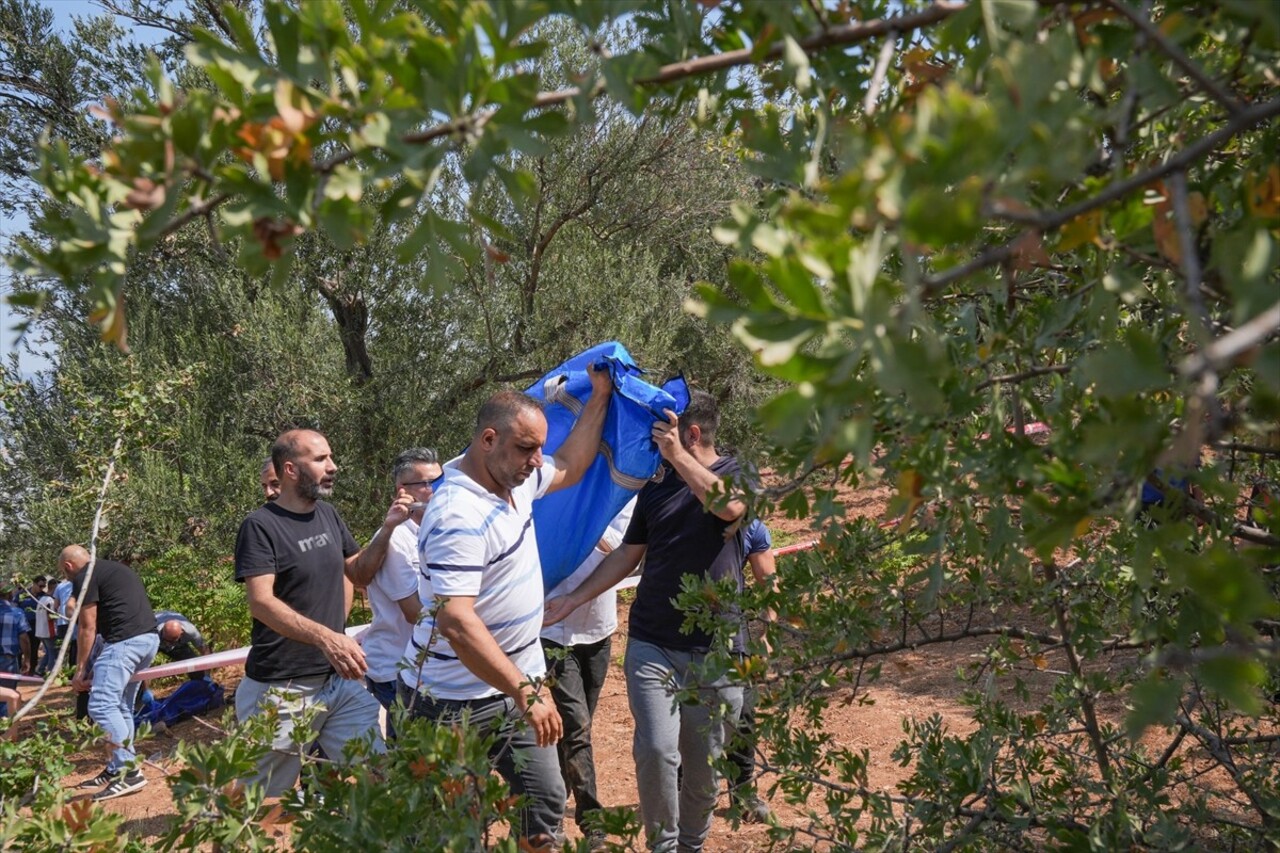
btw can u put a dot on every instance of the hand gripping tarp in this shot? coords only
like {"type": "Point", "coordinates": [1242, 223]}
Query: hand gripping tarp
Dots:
{"type": "Point", "coordinates": [569, 522]}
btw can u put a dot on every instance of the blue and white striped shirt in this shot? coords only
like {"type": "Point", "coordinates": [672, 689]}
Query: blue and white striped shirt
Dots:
{"type": "Point", "coordinates": [472, 543]}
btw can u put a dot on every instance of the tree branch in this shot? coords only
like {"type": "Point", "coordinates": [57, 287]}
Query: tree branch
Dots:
{"type": "Point", "coordinates": [1247, 448]}
{"type": "Point", "coordinates": [1030, 373]}
{"type": "Point", "coordinates": [1222, 352]}
{"type": "Point", "coordinates": [1207, 84]}
{"type": "Point", "coordinates": [1046, 222]}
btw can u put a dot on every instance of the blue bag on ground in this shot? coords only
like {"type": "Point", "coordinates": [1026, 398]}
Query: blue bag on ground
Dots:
{"type": "Point", "coordinates": [571, 521]}
{"type": "Point", "coordinates": [193, 697]}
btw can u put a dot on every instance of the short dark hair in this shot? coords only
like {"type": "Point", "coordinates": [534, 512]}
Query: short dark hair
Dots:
{"type": "Point", "coordinates": [501, 410]}
{"type": "Point", "coordinates": [413, 456]}
{"type": "Point", "coordinates": [704, 411]}
{"type": "Point", "coordinates": [287, 448]}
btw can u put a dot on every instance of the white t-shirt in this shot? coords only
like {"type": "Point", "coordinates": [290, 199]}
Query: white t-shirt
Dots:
{"type": "Point", "coordinates": [598, 618]}
{"type": "Point", "coordinates": [45, 608]}
{"type": "Point", "coordinates": [389, 633]}
{"type": "Point", "coordinates": [473, 543]}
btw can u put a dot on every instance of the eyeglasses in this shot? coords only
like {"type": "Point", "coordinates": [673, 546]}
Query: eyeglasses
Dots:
{"type": "Point", "coordinates": [416, 483]}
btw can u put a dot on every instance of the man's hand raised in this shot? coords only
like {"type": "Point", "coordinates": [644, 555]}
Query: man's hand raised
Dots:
{"type": "Point", "coordinates": [399, 509]}
{"type": "Point", "coordinates": [601, 380]}
{"type": "Point", "coordinates": [666, 434]}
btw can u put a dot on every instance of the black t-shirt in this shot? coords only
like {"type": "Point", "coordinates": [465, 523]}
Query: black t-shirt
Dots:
{"type": "Point", "coordinates": [124, 611]}
{"type": "Point", "coordinates": [305, 552]}
{"type": "Point", "coordinates": [682, 538]}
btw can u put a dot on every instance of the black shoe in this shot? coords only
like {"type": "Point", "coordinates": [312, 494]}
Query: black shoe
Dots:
{"type": "Point", "coordinates": [121, 785]}
{"type": "Point", "coordinates": [103, 778]}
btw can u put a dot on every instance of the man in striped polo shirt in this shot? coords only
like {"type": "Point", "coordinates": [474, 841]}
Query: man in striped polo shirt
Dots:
{"type": "Point", "coordinates": [475, 652]}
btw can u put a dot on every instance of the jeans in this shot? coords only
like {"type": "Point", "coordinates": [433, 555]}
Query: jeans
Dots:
{"type": "Point", "coordinates": [578, 677]}
{"type": "Point", "coordinates": [742, 747]}
{"type": "Point", "coordinates": [345, 711]}
{"type": "Point", "coordinates": [48, 653]}
{"type": "Point", "coordinates": [532, 771]}
{"type": "Point", "coordinates": [111, 697]}
{"type": "Point", "coordinates": [385, 693]}
{"type": "Point", "coordinates": [670, 736]}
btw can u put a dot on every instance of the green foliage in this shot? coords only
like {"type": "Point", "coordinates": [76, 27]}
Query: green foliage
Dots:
{"type": "Point", "coordinates": [205, 593]}
{"type": "Point", "coordinates": [37, 812]}
{"type": "Point", "coordinates": [961, 222]}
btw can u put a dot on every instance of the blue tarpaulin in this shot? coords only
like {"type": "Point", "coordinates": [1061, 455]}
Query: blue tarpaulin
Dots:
{"type": "Point", "coordinates": [570, 522]}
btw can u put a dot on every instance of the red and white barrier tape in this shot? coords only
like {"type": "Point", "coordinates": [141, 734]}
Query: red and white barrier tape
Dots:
{"type": "Point", "coordinates": [21, 679]}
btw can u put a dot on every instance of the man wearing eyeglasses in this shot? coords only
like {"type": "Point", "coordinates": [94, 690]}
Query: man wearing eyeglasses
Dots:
{"type": "Point", "coordinates": [393, 590]}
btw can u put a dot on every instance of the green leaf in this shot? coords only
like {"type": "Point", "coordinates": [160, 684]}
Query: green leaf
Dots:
{"type": "Point", "coordinates": [1154, 702]}
{"type": "Point", "coordinates": [1237, 678]}
{"type": "Point", "coordinates": [1132, 366]}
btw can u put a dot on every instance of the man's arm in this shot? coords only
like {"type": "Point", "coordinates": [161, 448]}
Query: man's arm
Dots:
{"type": "Point", "coordinates": [87, 625]}
{"type": "Point", "coordinates": [700, 479]}
{"type": "Point", "coordinates": [362, 566]}
{"type": "Point", "coordinates": [764, 569]}
{"type": "Point", "coordinates": [620, 562]}
{"type": "Point", "coordinates": [343, 652]}
{"type": "Point", "coordinates": [479, 652]}
{"type": "Point", "coordinates": [580, 447]}
{"type": "Point", "coordinates": [411, 607]}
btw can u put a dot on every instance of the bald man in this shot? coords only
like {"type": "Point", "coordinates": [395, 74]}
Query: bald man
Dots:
{"type": "Point", "coordinates": [475, 650]}
{"type": "Point", "coordinates": [180, 639]}
{"type": "Point", "coordinates": [296, 557]}
{"type": "Point", "coordinates": [115, 606]}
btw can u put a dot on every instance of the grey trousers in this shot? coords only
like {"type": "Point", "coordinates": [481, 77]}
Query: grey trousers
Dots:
{"type": "Point", "coordinates": [346, 711]}
{"type": "Point", "coordinates": [669, 736]}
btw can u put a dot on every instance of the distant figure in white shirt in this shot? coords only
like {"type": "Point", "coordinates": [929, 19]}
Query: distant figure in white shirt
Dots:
{"type": "Point", "coordinates": [578, 651]}
{"type": "Point", "coordinates": [393, 591]}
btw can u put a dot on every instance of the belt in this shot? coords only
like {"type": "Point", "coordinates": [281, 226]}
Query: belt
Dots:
{"type": "Point", "coordinates": [443, 656]}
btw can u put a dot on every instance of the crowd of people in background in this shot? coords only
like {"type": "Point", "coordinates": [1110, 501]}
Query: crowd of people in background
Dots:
{"type": "Point", "coordinates": [463, 632]}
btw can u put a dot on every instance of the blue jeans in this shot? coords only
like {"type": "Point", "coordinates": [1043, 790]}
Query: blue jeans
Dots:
{"type": "Point", "coordinates": [669, 737]}
{"type": "Point", "coordinates": [385, 693]}
{"type": "Point", "coordinates": [48, 653]}
{"type": "Point", "coordinates": [532, 771]}
{"type": "Point", "coordinates": [111, 697]}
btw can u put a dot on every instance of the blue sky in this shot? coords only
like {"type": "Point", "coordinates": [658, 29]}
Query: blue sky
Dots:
{"type": "Point", "coordinates": [64, 12]}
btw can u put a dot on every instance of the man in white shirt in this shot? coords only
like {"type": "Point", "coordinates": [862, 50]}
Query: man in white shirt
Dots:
{"type": "Point", "coordinates": [393, 591]}
{"type": "Point", "coordinates": [475, 657]}
{"type": "Point", "coordinates": [578, 651]}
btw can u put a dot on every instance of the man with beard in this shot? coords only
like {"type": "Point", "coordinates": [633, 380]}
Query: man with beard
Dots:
{"type": "Point", "coordinates": [295, 556]}
{"type": "Point", "coordinates": [270, 481]}
{"type": "Point", "coordinates": [474, 658]}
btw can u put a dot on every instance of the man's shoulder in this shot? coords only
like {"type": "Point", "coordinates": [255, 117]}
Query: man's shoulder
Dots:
{"type": "Point", "coordinates": [111, 570]}
{"type": "Point", "coordinates": [456, 508]}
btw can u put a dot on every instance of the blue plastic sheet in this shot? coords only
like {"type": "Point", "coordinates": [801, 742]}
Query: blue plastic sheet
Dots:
{"type": "Point", "coordinates": [571, 521]}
